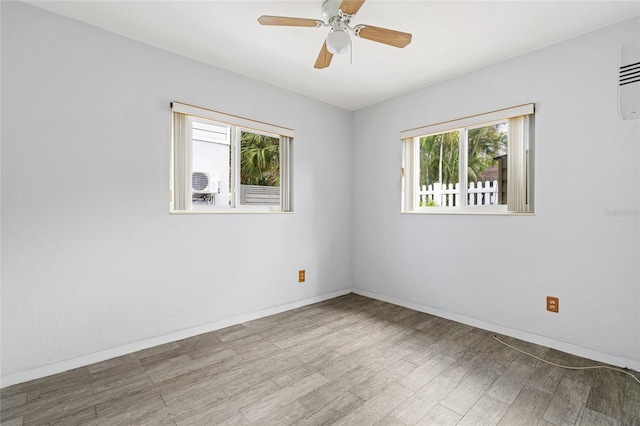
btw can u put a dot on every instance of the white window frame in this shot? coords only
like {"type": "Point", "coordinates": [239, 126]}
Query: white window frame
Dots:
{"type": "Point", "coordinates": [181, 160]}
{"type": "Point", "coordinates": [411, 161]}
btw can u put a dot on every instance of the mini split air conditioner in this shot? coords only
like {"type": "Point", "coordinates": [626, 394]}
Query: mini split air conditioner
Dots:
{"type": "Point", "coordinates": [205, 183]}
{"type": "Point", "coordinates": [629, 81]}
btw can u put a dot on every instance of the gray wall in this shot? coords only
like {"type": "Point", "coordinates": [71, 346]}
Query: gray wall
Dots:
{"type": "Point", "coordinates": [495, 271]}
{"type": "Point", "coordinates": [92, 259]}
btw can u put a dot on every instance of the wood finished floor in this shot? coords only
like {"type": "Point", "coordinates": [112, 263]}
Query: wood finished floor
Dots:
{"type": "Point", "coordinates": [346, 361]}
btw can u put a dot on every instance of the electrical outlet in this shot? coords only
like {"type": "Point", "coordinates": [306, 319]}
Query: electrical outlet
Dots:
{"type": "Point", "coordinates": [553, 304]}
{"type": "Point", "coordinates": [301, 276]}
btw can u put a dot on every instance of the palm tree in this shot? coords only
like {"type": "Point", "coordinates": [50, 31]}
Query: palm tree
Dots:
{"type": "Point", "coordinates": [485, 143]}
{"type": "Point", "coordinates": [439, 157]}
{"type": "Point", "coordinates": [259, 160]}
{"type": "Point", "coordinates": [439, 160]}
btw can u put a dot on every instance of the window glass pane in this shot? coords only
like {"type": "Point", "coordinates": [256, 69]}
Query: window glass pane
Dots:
{"type": "Point", "coordinates": [211, 153]}
{"type": "Point", "coordinates": [487, 165]}
{"type": "Point", "coordinates": [439, 170]}
{"type": "Point", "coordinates": [259, 169]}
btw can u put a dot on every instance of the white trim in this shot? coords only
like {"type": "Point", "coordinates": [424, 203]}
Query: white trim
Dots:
{"type": "Point", "coordinates": [436, 210]}
{"type": "Point", "coordinates": [474, 120]}
{"type": "Point", "coordinates": [230, 119]}
{"type": "Point", "coordinates": [496, 208]}
{"type": "Point", "coordinates": [59, 367]}
{"type": "Point", "coordinates": [463, 174]}
{"type": "Point", "coordinates": [234, 173]}
{"type": "Point", "coordinates": [48, 370]}
{"type": "Point", "coordinates": [229, 210]}
{"type": "Point", "coordinates": [518, 334]}
{"type": "Point", "coordinates": [409, 177]}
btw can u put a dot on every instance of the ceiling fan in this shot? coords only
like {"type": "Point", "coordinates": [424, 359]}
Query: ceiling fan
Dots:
{"type": "Point", "coordinates": [337, 14]}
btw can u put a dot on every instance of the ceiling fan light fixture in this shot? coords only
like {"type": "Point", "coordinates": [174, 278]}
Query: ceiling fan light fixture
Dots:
{"type": "Point", "coordinates": [338, 41]}
{"type": "Point", "coordinates": [338, 14]}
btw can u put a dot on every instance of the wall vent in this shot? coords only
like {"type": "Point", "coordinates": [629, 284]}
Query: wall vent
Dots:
{"type": "Point", "coordinates": [629, 81]}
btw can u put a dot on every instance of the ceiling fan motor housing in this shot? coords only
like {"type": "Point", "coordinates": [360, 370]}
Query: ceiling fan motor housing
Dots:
{"type": "Point", "coordinates": [330, 8]}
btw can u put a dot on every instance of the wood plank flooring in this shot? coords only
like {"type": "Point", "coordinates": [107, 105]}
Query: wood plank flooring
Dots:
{"type": "Point", "coordinates": [346, 361]}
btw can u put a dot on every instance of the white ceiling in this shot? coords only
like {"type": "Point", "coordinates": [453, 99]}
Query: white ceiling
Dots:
{"type": "Point", "coordinates": [450, 38]}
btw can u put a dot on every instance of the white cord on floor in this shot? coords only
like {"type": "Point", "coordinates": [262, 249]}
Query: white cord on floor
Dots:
{"type": "Point", "coordinates": [566, 366]}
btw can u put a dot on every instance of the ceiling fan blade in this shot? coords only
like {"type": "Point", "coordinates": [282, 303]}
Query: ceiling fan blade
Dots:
{"type": "Point", "coordinates": [288, 22]}
{"type": "Point", "coordinates": [383, 35]}
{"type": "Point", "coordinates": [351, 7]}
{"type": "Point", "coordinates": [324, 58]}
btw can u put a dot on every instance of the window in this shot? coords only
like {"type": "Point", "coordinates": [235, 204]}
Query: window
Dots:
{"type": "Point", "coordinates": [481, 163]}
{"type": "Point", "coordinates": [223, 163]}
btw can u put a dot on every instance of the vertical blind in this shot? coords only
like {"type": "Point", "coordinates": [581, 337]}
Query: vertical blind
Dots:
{"type": "Point", "coordinates": [285, 173]}
{"type": "Point", "coordinates": [182, 158]}
{"type": "Point", "coordinates": [517, 166]}
{"type": "Point", "coordinates": [410, 170]}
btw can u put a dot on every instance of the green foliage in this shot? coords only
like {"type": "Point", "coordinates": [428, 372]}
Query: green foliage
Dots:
{"type": "Point", "coordinates": [484, 144]}
{"type": "Point", "coordinates": [428, 203]}
{"type": "Point", "coordinates": [259, 160]}
{"type": "Point", "coordinates": [431, 147]}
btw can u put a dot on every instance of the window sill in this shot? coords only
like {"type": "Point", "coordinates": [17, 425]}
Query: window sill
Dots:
{"type": "Point", "coordinates": [467, 212]}
{"type": "Point", "coordinates": [224, 212]}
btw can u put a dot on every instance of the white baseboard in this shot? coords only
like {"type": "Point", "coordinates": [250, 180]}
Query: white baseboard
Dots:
{"type": "Point", "coordinates": [522, 335]}
{"type": "Point", "coordinates": [59, 367]}
{"type": "Point", "coordinates": [82, 361]}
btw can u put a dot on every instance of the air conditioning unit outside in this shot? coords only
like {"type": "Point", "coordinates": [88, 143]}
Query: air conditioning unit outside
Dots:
{"type": "Point", "coordinates": [205, 183]}
{"type": "Point", "coordinates": [629, 81]}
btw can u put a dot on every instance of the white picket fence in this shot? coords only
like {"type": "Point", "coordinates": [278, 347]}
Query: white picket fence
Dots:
{"type": "Point", "coordinates": [479, 194]}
